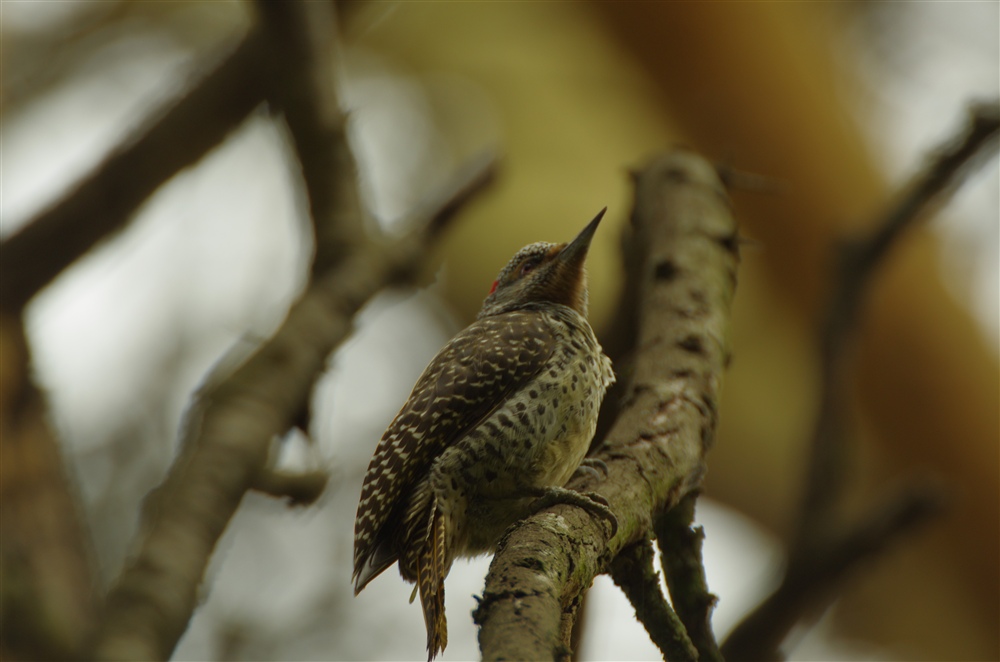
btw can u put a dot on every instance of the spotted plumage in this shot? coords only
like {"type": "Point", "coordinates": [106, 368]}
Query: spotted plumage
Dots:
{"type": "Point", "coordinates": [502, 415]}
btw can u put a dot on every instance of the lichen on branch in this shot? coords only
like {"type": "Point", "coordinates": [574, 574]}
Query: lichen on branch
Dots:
{"type": "Point", "coordinates": [684, 246]}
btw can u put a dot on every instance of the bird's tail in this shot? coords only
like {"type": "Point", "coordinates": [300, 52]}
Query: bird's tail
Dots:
{"type": "Point", "coordinates": [431, 569]}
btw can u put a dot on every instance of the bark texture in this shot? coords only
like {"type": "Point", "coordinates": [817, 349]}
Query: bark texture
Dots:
{"type": "Point", "coordinates": [685, 242]}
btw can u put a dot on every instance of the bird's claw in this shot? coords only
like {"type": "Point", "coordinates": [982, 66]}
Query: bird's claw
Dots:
{"type": "Point", "coordinates": [592, 502]}
{"type": "Point", "coordinates": [594, 467]}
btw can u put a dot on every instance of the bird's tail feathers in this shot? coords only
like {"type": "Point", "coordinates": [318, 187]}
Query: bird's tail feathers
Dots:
{"type": "Point", "coordinates": [431, 569]}
{"type": "Point", "coordinates": [373, 565]}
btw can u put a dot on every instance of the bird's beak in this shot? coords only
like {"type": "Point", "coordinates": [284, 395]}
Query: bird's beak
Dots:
{"type": "Point", "coordinates": [575, 251]}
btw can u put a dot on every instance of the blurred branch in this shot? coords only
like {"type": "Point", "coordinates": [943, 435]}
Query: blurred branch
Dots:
{"type": "Point", "coordinates": [856, 262]}
{"type": "Point", "coordinates": [48, 602]}
{"type": "Point", "coordinates": [51, 609]}
{"type": "Point", "coordinates": [819, 556]}
{"type": "Point", "coordinates": [44, 56]}
{"type": "Point", "coordinates": [735, 179]}
{"type": "Point", "coordinates": [48, 57]}
{"type": "Point", "coordinates": [168, 141]}
{"type": "Point", "coordinates": [434, 214]}
{"type": "Point", "coordinates": [153, 599]}
{"type": "Point", "coordinates": [632, 570]}
{"type": "Point", "coordinates": [232, 424]}
{"type": "Point", "coordinates": [680, 554]}
{"type": "Point", "coordinates": [301, 489]}
{"type": "Point", "coordinates": [685, 242]}
{"type": "Point", "coordinates": [300, 35]}
{"type": "Point", "coordinates": [813, 581]}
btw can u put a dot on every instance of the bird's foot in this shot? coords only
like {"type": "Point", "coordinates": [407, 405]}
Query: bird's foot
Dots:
{"type": "Point", "coordinates": [592, 502]}
{"type": "Point", "coordinates": [591, 466]}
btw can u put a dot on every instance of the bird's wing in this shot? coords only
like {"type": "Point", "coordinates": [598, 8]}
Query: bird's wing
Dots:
{"type": "Point", "coordinates": [468, 379]}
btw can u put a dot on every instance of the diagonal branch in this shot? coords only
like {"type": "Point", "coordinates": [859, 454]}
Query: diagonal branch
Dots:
{"type": "Point", "coordinates": [810, 583]}
{"type": "Point", "coordinates": [632, 571]}
{"type": "Point", "coordinates": [680, 554]}
{"type": "Point", "coordinates": [228, 441]}
{"type": "Point", "coordinates": [304, 54]}
{"type": "Point", "coordinates": [856, 264]}
{"type": "Point", "coordinates": [686, 246]}
{"type": "Point", "coordinates": [234, 422]}
{"type": "Point", "coordinates": [168, 141]}
{"type": "Point", "coordinates": [48, 603]}
{"type": "Point", "coordinates": [823, 552]}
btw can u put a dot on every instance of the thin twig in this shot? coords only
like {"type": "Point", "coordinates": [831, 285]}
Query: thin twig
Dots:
{"type": "Point", "coordinates": [822, 552]}
{"type": "Point", "coordinates": [632, 570]}
{"type": "Point", "coordinates": [811, 583]}
{"type": "Point", "coordinates": [856, 264]}
{"type": "Point", "coordinates": [442, 205]}
{"type": "Point", "coordinates": [742, 180]}
{"type": "Point", "coordinates": [680, 553]}
{"type": "Point", "coordinates": [433, 215]}
{"type": "Point", "coordinates": [176, 136]}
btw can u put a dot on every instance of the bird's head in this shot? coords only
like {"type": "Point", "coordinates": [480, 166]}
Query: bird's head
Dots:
{"type": "Point", "coordinates": [544, 272]}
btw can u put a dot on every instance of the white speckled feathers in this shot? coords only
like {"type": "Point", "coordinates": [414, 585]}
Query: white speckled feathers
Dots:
{"type": "Point", "coordinates": [501, 417]}
{"type": "Point", "coordinates": [471, 376]}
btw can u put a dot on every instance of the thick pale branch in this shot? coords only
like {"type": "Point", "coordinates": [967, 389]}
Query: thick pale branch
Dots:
{"type": "Point", "coordinates": [170, 140]}
{"type": "Point", "coordinates": [687, 247]}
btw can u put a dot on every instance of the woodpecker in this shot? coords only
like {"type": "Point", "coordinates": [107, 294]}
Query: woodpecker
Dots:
{"type": "Point", "coordinates": [492, 431]}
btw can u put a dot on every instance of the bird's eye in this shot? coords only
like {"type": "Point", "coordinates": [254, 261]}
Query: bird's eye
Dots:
{"type": "Point", "coordinates": [529, 265]}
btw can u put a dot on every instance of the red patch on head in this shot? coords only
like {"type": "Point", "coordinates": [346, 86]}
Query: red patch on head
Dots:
{"type": "Point", "coordinates": [494, 288]}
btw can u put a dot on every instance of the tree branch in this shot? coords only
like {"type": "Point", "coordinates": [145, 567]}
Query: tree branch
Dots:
{"type": "Point", "coordinates": [823, 552]}
{"type": "Point", "coordinates": [680, 554]}
{"type": "Point", "coordinates": [227, 445]}
{"type": "Point", "coordinates": [234, 422]}
{"type": "Point", "coordinates": [810, 583]}
{"type": "Point", "coordinates": [48, 599]}
{"type": "Point", "coordinates": [686, 244]}
{"type": "Point", "coordinates": [168, 141]}
{"type": "Point", "coordinates": [856, 262]}
{"type": "Point", "coordinates": [303, 48]}
{"type": "Point", "coordinates": [300, 489]}
{"type": "Point", "coordinates": [632, 570]}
